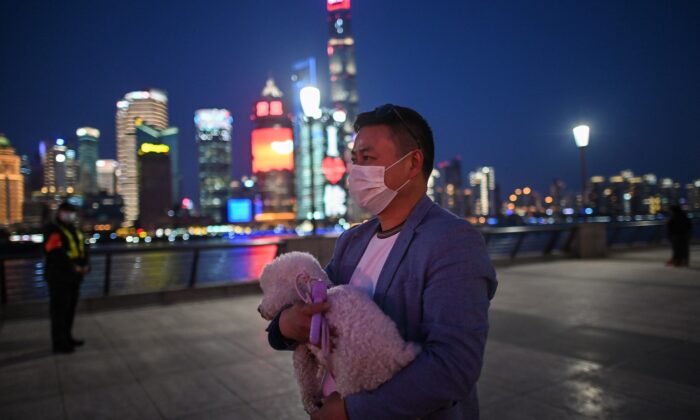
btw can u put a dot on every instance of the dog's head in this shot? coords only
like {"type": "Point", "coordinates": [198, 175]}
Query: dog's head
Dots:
{"type": "Point", "coordinates": [281, 279]}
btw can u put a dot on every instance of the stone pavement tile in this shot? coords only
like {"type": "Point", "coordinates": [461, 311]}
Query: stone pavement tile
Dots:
{"type": "Point", "coordinates": [256, 343]}
{"type": "Point", "coordinates": [83, 372]}
{"type": "Point", "coordinates": [282, 361]}
{"type": "Point", "coordinates": [591, 399]}
{"type": "Point", "coordinates": [147, 362]}
{"type": "Point", "coordinates": [523, 408]}
{"type": "Point", "coordinates": [215, 352]}
{"type": "Point", "coordinates": [679, 362]}
{"type": "Point", "coordinates": [121, 402]}
{"type": "Point", "coordinates": [45, 409]}
{"type": "Point", "coordinates": [188, 393]}
{"type": "Point", "coordinates": [283, 407]}
{"type": "Point", "coordinates": [490, 394]}
{"type": "Point", "coordinates": [647, 388]}
{"type": "Point", "coordinates": [254, 380]}
{"type": "Point", "coordinates": [518, 370]}
{"type": "Point", "coordinates": [234, 412]}
{"type": "Point", "coordinates": [29, 380]}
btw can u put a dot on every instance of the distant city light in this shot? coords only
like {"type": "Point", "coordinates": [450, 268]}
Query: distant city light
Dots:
{"type": "Point", "coordinates": [60, 158]}
{"type": "Point", "coordinates": [60, 142]}
{"type": "Point", "coordinates": [339, 116]}
{"type": "Point", "coordinates": [310, 98]}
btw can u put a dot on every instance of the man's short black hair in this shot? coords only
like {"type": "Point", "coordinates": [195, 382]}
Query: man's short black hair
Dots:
{"type": "Point", "coordinates": [410, 130]}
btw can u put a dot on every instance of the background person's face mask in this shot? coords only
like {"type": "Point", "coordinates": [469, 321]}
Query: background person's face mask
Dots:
{"type": "Point", "coordinates": [366, 186]}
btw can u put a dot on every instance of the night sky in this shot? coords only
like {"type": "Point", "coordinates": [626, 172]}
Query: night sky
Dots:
{"type": "Point", "coordinates": [501, 82]}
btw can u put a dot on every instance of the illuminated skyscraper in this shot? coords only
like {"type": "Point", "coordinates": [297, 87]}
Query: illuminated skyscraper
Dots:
{"type": "Point", "coordinates": [60, 169]}
{"type": "Point", "coordinates": [107, 175]}
{"type": "Point", "coordinates": [273, 156]}
{"type": "Point", "coordinates": [154, 185]}
{"type": "Point", "coordinates": [11, 184]}
{"type": "Point", "coordinates": [146, 133]}
{"type": "Point", "coordinates": [341, 61]}
{"type": "Point", "coordinates": [150, 107]}
{"type": "Point", "coordinates": [87, 159]}
{"type": "Point", "coordinates": [214, 148]}
{"type": "Point", "coordinates": [484, 180]}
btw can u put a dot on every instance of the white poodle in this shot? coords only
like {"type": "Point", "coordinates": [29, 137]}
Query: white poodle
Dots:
{"type": "Point", "coordinates": [367, 349]}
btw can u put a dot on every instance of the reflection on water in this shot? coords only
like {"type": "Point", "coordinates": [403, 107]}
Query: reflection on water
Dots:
{"type": "Point", "coordinates": [146, 272]}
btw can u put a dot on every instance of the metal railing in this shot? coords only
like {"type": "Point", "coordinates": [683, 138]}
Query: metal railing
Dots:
{"type": "Point", "coordinates": [152, 268]}
{"type": "Point", "coordinates": [128, 270]}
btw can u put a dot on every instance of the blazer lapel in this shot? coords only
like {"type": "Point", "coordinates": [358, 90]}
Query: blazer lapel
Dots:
{"type": "Point", "coordinates": [400, 247]}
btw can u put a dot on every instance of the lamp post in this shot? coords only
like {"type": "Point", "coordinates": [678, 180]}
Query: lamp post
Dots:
{"type": "Point", "coordinates": [310, 98]}
{"type": "Point", "coordinates": [581, 136]}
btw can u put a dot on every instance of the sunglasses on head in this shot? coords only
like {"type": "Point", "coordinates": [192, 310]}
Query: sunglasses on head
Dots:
{"type": "Point", "coordinates": [388, 109]}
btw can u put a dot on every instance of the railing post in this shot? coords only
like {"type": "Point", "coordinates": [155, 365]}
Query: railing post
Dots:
{"type": "Point", "coordinates": [552, 242]}
{"type": "Point", "coordinates": [108, 274]}
{"type": "Point", "coordinates": [281, 248]}
{"type": "Point", "coordinates": [515, 250]}
{"type": "Point", "coordinates": [193, 273]}
{"type": "Point", "coordinates": [3, 283]}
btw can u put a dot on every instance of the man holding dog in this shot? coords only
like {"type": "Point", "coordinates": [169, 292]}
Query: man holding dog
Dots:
{"type": "Point", "coordinates": [426, 268]}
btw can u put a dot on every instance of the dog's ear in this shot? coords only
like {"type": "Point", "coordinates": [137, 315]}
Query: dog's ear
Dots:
{"type": "Point", "coordinates": [303, 285]}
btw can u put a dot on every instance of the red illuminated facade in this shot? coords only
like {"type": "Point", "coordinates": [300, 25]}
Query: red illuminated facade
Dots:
{"type": "Point", "coordinates": [272, 146]}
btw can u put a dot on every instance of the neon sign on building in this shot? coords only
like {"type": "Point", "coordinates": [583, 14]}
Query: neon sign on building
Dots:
{"type": "Point", "coordinates": [338, 5]}
{"type": "Point", "coordinates": [273, 149]}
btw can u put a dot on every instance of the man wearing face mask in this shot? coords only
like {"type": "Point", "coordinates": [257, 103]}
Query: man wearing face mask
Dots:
{"type": "Point", "coordinates": [426, 268]}
{"type": "Point", "coordinates": [66, 265]}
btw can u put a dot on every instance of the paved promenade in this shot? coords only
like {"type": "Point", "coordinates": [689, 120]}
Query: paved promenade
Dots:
{"type": "Point", "coordinates": [617, 338]}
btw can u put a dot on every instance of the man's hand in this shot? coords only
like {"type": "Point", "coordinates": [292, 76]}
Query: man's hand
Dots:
{"type": "Point", "coordinates": [333, 409]}
{"type": "Point", "coordinates": [295, 321]}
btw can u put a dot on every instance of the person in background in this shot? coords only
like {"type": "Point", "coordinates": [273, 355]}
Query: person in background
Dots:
{"type": "Point", "coordinates": [66, 265]}
{"type": "Point", "coordinates": [679, 233]}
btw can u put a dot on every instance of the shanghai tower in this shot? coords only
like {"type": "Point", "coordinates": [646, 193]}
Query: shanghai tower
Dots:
{"type": "Point", "coordinates": [341, 61]}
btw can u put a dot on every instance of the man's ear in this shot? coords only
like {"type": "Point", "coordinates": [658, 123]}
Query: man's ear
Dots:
{"type": "Point", "coordinates": [417, 163]}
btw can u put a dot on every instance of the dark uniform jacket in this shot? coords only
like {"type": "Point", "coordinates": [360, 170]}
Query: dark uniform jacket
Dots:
{"type": "Point", "coordinates": [65, 250]}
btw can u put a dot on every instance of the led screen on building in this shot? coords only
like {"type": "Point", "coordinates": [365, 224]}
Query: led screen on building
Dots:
{"type": "Point", "coordinates": [273, 149]}
{"type": "Point", "coordinates": [240, 210]}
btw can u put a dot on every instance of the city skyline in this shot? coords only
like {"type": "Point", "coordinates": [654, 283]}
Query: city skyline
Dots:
{"type": "Point", "coordinates": [636, 92]}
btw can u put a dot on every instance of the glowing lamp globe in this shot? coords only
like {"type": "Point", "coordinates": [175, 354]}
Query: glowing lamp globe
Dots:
{"type": "Point", "coordinates": [581, 135]}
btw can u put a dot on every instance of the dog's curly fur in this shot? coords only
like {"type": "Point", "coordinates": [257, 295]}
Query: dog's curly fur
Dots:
{"type": "Point", "coordinates": [367, 347]}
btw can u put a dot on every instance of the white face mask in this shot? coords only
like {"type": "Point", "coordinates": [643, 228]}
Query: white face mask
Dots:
{"type": "Point", "coordinates": [366, 186]}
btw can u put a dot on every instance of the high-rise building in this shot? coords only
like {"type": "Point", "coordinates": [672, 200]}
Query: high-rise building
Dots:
{"type": "Point", "coordinates": [320, 168]}
{"type": "Point", "coordinates": [11, 184]}
{"type": "Point", "coordinates": [451, 195]}
{"type": "Point", "coordinates": [150, 107]}
{"type": "Point", "coordinates": [25, 167]}
{"type": "Point", "coordinates": [214, 149]}
{"type": "Point", "coordinates": [106, 170]}
{"type": "Point", "coordinates": [60, 169]}
{"type": "Point", "coordinates": [146, 133]}
{"type": "Point", "coordinates": [87, 159]}
{"type": "Point", "coordinates": [484, 180]}
{"type": "Point", "coordinates": [272, 145]}
{"type": "Point", "coordinates": [154, 185]}
{"type": "Point", "coordinates": [342, 66]}
{"type": "Point", "coordinates": [692, 195]}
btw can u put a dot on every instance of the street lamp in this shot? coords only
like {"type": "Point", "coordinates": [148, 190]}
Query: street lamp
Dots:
{"type": "Point", "coordinates": [581, 135]}
{"type": "Point", "coordinates": [310, 98]}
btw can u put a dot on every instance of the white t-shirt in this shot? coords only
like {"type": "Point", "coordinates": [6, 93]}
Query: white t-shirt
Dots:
{"type": "Point", "coordinates": [365, 278]}
{"type": "Point", "coordinates": [367, 272]}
